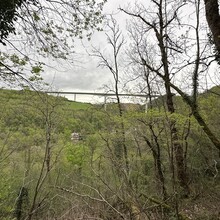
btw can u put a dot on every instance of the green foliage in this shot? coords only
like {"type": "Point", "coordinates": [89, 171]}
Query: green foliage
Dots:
{"type": "Point", "coordinates": [78, 155]}
{"type": "Point", "coordinates": [16, 60]}
{"type": "Point", "coordinates": [86, 15]}
{"type": "Point", "coordinates": [25, 21]}
{"type": "Point", "coordinates": [77, 105]}
{"type": "Point", "coordinates": [89, 167]}
{"type": "Point", "coordinates": [8, 15]}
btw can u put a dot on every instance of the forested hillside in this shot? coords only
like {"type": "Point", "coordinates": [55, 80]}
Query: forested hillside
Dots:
{"type": "Point", "coordinates": [65, 160]}
{"type": "Point", "coordinates": [120, 165]}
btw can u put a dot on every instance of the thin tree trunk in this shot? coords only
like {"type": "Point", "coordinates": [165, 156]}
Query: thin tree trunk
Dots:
{"type": "Point", "coordinates": [157, 163]}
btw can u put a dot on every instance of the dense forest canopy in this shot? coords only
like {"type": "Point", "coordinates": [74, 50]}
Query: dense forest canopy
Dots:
{"type": "Point", "coordinates": [62, 159]}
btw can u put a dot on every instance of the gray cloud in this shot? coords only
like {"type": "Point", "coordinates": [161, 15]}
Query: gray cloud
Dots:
{"type": "Point", "coordinates": [85, 78]}
{"type": "Point", "coordinates": [83, 74]}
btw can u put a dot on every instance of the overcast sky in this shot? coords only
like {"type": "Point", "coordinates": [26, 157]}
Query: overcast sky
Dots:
{"type": "Point", "coordinates": [83, 74]}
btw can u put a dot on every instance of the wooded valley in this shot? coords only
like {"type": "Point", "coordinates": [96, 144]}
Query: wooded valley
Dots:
{"type": "Point", "coordinates": [123, 166]}
{"type": "Point", "coordinates": [65, 160]}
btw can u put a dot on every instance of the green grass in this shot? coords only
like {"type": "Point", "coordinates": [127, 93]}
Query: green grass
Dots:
{"type": "Point", "coordinates": [77, 105]}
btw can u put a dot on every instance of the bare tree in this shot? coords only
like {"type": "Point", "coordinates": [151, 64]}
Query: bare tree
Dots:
{"type": "Point", "coordinates": [159, 25]}
{"type": "Point", "coordinates": [168, 46]}
{"type": "Point", "coordinates": [120, 143]}
{"type": "Point", "coordinates": [115, 41]}
{"type": "Point", "coordinates": [48, 112]}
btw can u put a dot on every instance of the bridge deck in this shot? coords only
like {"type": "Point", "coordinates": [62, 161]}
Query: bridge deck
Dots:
{"type": "Point", "coordinates": [102, 94]}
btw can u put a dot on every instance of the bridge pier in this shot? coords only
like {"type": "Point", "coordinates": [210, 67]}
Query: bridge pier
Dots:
{"type": "Point", "coordinates": [105, 103]}
{"type": "Point", "coordinates": [146, 105]}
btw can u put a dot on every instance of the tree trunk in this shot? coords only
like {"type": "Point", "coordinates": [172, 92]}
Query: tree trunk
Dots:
{"type": "Point", "coordinates": [198, 117]}
{"type": "Point", "coordinates": [177, 147]}
{"type": "Point", "coordinates": [213, 19]}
